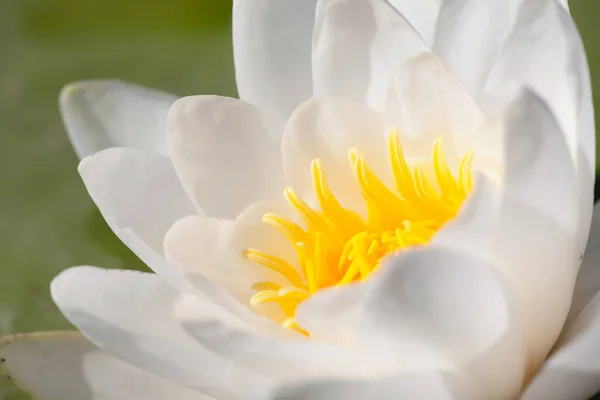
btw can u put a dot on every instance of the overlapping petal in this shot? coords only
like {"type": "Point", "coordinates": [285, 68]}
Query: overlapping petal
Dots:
{"type": "Point", "coordinates": [422, 15]}
{"type": "Point", "coordinates": [272, 52]}
{"type": "Point", "coordinates": [545, 52]}
{"type": "Point", "coordinates": [357, 46]}
{"type": "Point", "coordinates": [140, 196]}
{"type": "Point", "coordinates": [202, 247]}
{"type": "Point", "coordinates": [469, 36]}
{"type": "Point", "coordinates": [536, 243]}
{"type": "Point", "coordinates": [66, 366]}
{"type": "Point", "coordinates": [412, 385]}
{"type": "Point", "coordinates": [101, 114]}
{"type": "Point", "coordinates": [572, 372]}
{"type": "Point", "coordinates": [225, 154]}
{"type": "Point", "coordinates": [131, 314]}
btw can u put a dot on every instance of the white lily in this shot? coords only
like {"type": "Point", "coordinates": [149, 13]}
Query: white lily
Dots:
{"type": "Point", "coordinates": [438, 161]}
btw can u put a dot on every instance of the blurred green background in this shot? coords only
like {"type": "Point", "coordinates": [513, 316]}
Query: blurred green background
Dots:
{"type": "Point", "coordinates": [47, 221]}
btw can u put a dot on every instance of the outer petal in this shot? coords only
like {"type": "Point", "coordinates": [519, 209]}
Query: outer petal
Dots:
{"type": "Point", "coordinates": [573, 371]}
{"type": "Point", "coordinates": [536, 243]}
{"type": "Point", "coordinates": [357, 46]}
{"type": "Point", "coordinates": [426, 100]}
{"type": "Point", "coordinates": [131, 315]}
{"type": "Point", "coordinates": [282, 357]}
{"type": "Point", "coordinates": [224, 154]}
{"type": "Point", "coordinates": [140, 197]}
{"type": "Point", "coordinates": [588, 279]}
{"type": "Point", "coordinates": [422, 15]}
{"type": "Point", "coordinates": [469, 36]}
{"type": "Point", "coordinates": [411, 385]}
{"type": "Point", "coordinates": [102, 114]}
{"type": "Point", "coordinates": [555, 66]}
{"type": "Point", "coordinates": [65, 366]}
{"type": "Point", "coordinates": [272, 52]}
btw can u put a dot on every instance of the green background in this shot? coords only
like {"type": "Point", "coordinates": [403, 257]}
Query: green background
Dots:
{"type": "Point", "coordinates": [47, 221]}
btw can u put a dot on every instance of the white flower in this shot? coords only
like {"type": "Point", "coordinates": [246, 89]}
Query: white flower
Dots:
{"type": "Point", "coordinates": [445, 166]}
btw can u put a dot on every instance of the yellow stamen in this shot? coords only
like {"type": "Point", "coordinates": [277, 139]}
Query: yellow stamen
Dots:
{"type": "Point", "coordinates": [337, 246]}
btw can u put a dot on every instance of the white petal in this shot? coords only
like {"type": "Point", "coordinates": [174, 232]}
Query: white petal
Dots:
{"type": "Point", "coordinates": [131, 314]}
{"type": "Point", "coordinates": [357, 46]}
{"type": "Point", "coordinates": [555, 66]}
{"type": "Point", "coordinates": [573, 371]}
{"type": "Point", "coordinates": [203, 246]}
{"type": "Point", "coordinates": [457, 302]}
{"type": "Point", "coordinates": [334, 315]}
{"type": "Point", "coordinates": [224, 154]}
{"type": "Point", "coordinates": [140, 196]}
{"type": "Point", "coordinates": [327, 129]}
{"type": "Point", "coordinates": [536, 243]}
{"type": "Point", "coordinates": [469, 36]}
{"type": "Point", "coordinates": [272, 51]}
{"type": "Point", "coordinates": [422, 15]}
{"type": "Point", "coordinates": [537, 167]}
{"type": "Point", "coordinates": [426, 100]}
{"type": "Point", "coordinates": [65, 366]}
{"type": "Point", "coordinates": [102, 114]}
{"type": "Point", "coordinates": [411, 385]}
{"type": "Point", "coordinates": [588, 279]}
{"type": "Point", "coordinates": [282, 357]}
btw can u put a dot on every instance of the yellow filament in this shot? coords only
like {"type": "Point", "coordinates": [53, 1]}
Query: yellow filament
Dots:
{"type": "Point", "coordinates": [337, 246]}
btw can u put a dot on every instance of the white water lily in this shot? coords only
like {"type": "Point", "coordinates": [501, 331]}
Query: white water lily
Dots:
{"type": "Point", "coordinates": [397, 208]}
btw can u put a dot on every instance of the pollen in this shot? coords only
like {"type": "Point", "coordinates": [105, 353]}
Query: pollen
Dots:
{"type": "Point", "coordinates": [337, 246]}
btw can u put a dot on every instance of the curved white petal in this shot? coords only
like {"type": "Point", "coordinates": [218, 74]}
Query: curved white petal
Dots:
{"type": "Point", "coordinates": [345, 303]}
{"type": "Point", "coordinates": [224, 153]}
{"type": "Point", "coordinates": [280, 355]}
{"type": "Point", "coordinates": [66, 366]}
{"type": "Point", "coordinates": [422, 15]}
{"type": "Point", "coordinates": [536, 243]}
{"type": "Point", "coordinates": [327, 129]}
{"type": "Point", "coordinates": [357, 46]}
{"type": "Point", "coordinates": [439, 385]}
{"type": "Point", "coordinates": [131, 314]}
{"type": "Point", "coordinates": [469, 315]}
{"type": "Point", "coordinates": [272, 52]}
{"type": "Point", "coordinates": [203, 246]}
{"type": "Point", "coordinates": [537, 167]}
{"type": "Point", "coordinates": [469, 36]}
{"type": "Point", "coordinates": [533, 224]}
{"type": "Point", "coordinates": [573, 371]}
{"type": "Point", "coordinates": [588, 279]}
{"type": "Point", "coordinates": [468, 319]}
{"type": "Point", "coordinates": [140, 196]}
{"type": "Point", "coordinates": [545, 52]}
{"type": "Point", "coordinates": [100, 114]}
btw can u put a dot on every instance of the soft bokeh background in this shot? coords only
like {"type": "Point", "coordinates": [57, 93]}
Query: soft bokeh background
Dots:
{"type": "Point", "coordinates": [47, 221]}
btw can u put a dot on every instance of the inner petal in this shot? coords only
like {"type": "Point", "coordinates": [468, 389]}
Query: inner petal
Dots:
{"type": "Point", "coordinates": [335, 245]}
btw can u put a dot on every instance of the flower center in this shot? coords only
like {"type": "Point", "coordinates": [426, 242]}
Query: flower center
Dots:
{"type": "Point", "coordinates": [337, 246]}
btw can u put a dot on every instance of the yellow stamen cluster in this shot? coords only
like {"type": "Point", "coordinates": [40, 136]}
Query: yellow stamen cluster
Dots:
{"type": "Point", "coordinates": [337, 246]}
